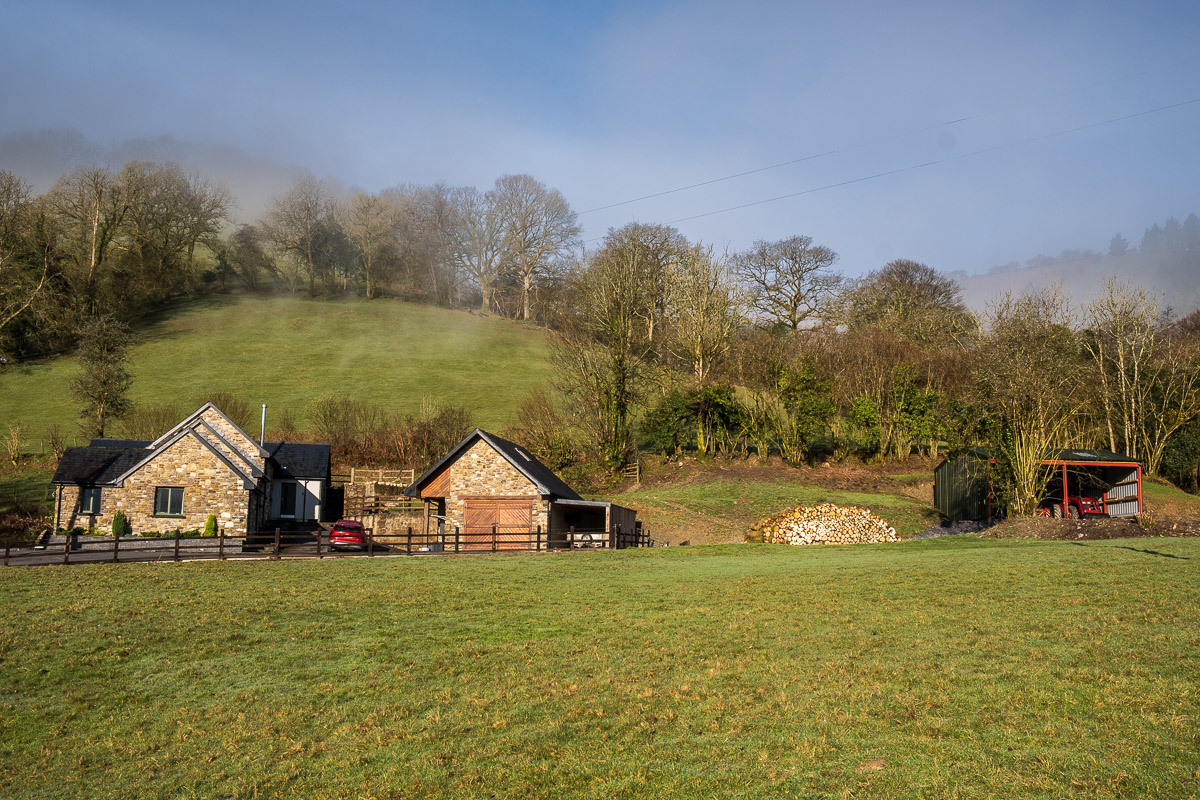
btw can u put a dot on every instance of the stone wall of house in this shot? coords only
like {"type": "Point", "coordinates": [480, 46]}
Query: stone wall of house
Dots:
{"type": "Point", "coordinates": [483, 471]}
{"type": "Point", "coordinates": [208, 488]}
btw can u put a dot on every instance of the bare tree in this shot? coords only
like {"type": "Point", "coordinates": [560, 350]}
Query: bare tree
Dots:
{"type": "Point", "coordinates": [539, 228]}
{"type": "Point", "coordinates": [790, 280]}
{"type": "Point", "coordinates": [603, 352]}
{"type": "Point", "coordinates": [478, 240]}
{"type": "Point", "coordinates": [297, 223]}
{"type": "Point", "coordinates": [424, 241]}
{"type": "Point", "coordinates": [913, 299]}
{"type": "Point", "coordinates": [22, 272]}
{"type": "Point", "coordinates": [371, 224]}
{"type": "Point", "coordinates": [706, 309]}
{"type": "Point", "coordinates": [1148, 371]}
{"type": "Point", "coordinates": [90, 204]}
{"type": "Point", "coordinates": [1028, 376]}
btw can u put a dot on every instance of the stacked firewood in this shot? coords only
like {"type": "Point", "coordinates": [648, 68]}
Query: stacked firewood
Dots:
{"type": "Point", "coordinates": [822, 524]}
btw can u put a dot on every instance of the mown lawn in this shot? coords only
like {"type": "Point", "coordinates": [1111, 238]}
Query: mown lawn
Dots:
{"type": "Point", "coordinates": [287, 351]}
{"type": "Point", "coordinates": [722, 509]}
{"type": "Point", "coordinates": [966, 668]}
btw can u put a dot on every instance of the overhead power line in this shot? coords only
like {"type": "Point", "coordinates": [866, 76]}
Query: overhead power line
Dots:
{"type": "Point", "coordinates": [923, 165]}
{"type": "Point", "coordinates": [881, 140]}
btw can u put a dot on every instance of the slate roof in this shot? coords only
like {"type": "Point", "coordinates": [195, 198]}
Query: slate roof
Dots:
{"type": "Point", "coordinates": [299, 459]}
{"type": "Point", "coordinates": [523, 461]}
{"type": "Point", "coordinates": [105, 460]}
{"type": "Point", "coordinates": [96, 465]}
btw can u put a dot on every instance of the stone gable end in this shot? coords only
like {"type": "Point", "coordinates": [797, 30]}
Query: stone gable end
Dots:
{"type": "Point", "coordinates": [245, 445]}
{"type": "Point", "coordinates": [483, 471]}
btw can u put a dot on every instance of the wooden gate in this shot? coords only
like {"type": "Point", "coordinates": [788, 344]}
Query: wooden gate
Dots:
{"type": "Point", "coordinates": [501, 523]}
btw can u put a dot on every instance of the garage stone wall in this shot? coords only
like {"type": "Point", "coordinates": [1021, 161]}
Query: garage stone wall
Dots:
{"type": "Point", "coordinates": [483, 471]}
{"type": "Point", "coordinates": [209, 488]}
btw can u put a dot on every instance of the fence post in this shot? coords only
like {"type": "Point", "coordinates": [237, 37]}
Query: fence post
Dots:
{"type": "Point", "coordinates": [275, 552]}
{"type": "Point", "coordinates": [319, 532]}
{"type": "Point", "coordinates": [67, 549]}
{"type": "Point", "coordinates": [570, 537]}
{"type": "Point", "coordinates": [370, 541]}
{"type": "Point", "coordinates": [7, 545]}
{"type": "Point", "coordinates": [494, 537]}
{"type": "Point", "coordinates": [177, 533]}
{"type": "Point", "coordinates": [456, 541]}
{"type": "Point", "coordinates": [408, 545]}
{"type": "Point", "coordinates": [537, 541]}
{"type": "Point", "coordinates": [221, 543]}
{"type": "Point", "coordinates": [615, 544]}
{"type": "Point", "coordinates": [116, 544]}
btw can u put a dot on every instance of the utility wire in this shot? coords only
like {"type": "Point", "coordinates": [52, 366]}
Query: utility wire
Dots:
{"type": "Point", "coordinates": [881, 140]}
{"type": "Point", "coordinates": [923, 165]}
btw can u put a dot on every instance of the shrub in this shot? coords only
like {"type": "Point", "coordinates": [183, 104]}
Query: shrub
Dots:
{"type": "Point", "coordinates": [210, 527]}
{"type": "Point", "coordinates": [120, 525]}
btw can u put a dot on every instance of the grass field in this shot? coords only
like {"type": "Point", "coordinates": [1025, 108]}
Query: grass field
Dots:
{"type": "Point", "coordinates": [722, 509]}
{"type": "Point", "coordinates": [287, 351]}
{"type": "Point", "coordinates": [964, 668]}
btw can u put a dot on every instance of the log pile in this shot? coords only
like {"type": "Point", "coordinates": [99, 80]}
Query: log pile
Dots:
{"type": "Point", "coordinates": [823, 524]}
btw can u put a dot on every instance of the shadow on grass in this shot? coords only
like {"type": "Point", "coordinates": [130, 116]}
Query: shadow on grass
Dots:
{"type": "Point", "coordinates": [1137, 550]}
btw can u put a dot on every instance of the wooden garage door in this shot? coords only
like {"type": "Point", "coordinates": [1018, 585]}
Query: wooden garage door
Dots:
{"type": "Point", "coordinates": [511, 516]}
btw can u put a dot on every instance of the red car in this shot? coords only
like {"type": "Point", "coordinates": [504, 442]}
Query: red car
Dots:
{"type": "Point", "coordinates": [347, 533]}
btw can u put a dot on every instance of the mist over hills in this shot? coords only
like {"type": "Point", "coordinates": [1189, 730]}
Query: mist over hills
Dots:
{"type": "Point", "coordinates": [42, 156]}
{"type": "Point", "coordinates": [1173, 278]}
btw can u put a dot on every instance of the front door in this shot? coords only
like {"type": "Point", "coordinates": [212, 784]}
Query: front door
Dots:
{"type": "Point", "coordinates": [287, 500]}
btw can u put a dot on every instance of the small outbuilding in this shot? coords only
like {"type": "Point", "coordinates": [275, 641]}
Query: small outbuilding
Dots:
{"type": "Point", "coordinates": [489, 493]}
{"type": "Point", "coordinates": [962, 486]}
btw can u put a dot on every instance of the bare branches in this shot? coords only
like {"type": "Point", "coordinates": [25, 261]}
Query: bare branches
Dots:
{"type": "Point", "coordinates": [790, 281]}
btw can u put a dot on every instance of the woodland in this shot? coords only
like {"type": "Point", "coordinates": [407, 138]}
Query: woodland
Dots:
{"type": "Point", "coordinates": [659, 343]}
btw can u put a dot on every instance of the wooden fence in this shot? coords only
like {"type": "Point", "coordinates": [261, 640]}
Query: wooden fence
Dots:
{"type": "Point", "coordinates": [280, 544]}
{"type": "Point", "coordinates": [395, 477]}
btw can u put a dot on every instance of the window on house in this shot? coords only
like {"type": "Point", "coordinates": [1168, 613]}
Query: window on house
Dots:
{"type": "Point", "coordinates": [89, 500]}
{"type": "Point", "coordinates": [168, 501]}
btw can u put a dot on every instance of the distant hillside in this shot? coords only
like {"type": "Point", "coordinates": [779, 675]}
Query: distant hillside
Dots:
{"type": "Point", "coordinates": [287, 351]}
{"type": "Point", "coordinates": [1174, 278]}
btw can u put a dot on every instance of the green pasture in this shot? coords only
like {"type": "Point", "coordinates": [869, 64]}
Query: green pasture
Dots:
{"type": "Point", "coordinates": [286, 351]}
{"type": "Point", "coordinates": [722, 509]}
{"type": "Point", "coordinates": [956, 668]}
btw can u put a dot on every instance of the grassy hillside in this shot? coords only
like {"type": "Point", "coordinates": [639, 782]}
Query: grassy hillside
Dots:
{"type": "Point", "coordinates": [286, 351]}
{"type": "Point", "coordinates": [947, 668]}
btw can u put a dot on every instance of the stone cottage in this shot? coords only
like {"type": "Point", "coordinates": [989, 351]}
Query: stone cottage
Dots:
{"type": "Point", "coordinates": [487, 489]}
{"type": "Point", "coordinates": [204, 465]}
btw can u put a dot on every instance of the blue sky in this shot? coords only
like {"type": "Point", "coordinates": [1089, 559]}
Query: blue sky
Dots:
{"type": "Point", "coordinates": [613, 101]}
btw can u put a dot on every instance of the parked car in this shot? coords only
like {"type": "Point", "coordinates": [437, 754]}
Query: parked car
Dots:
{"type": "Point", "coordinates": [347, 533]}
